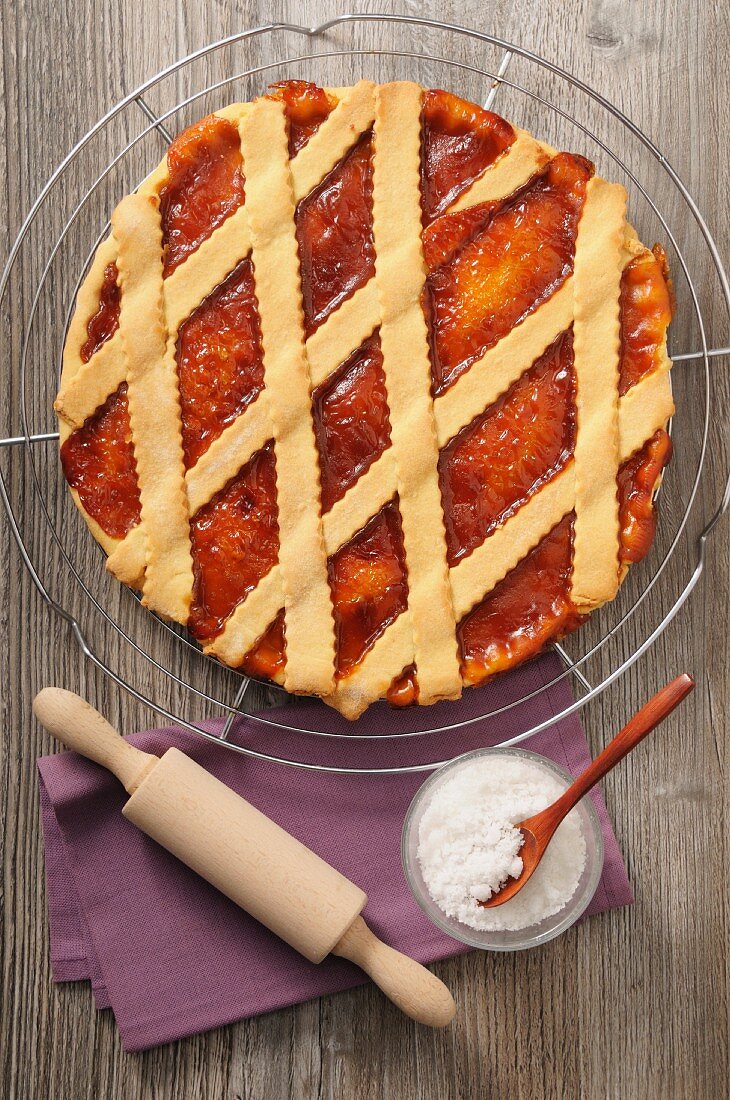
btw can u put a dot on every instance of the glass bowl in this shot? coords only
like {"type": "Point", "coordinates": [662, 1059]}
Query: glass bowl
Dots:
{"type": "Point", "coordinates": [502, 940]}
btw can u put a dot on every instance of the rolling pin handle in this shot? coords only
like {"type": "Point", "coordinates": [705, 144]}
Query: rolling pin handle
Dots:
{"type": "Point", "coordinates": [415, 990]}
{"type": "Point", "coordinates": [73, 722]}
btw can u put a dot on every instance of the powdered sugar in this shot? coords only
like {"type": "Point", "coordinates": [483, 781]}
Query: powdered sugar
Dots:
{"type": "Point", "coordinates": [468, 845]}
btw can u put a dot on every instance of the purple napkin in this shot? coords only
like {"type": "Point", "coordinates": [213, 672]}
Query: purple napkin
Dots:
{"type": "Point", "coordinates": [171, 955]}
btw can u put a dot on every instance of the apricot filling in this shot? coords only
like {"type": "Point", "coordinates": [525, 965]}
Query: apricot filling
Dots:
{"type": "Point", "coordinates": [369, 586]}
{"type": "Point", "coordinates": [235, 542]}
{"type": "Point", "coordinates": [204, 187]}
{"type": "Point", "coordinates": [267, 658]}
{"type": "Point", "coordinates": [219, 361]}
{"type": "Point", "coordinates": [646, 310]}
{"type": "Point", "coordinates": [307, 106]}
{"type": "Point", "coordinates": [98, 462]}
{"type": "Point", "coordinates": [492, 467]}
{"type": "Point", "coordinates": [351, 421]}
{"type": "Point", "coordinates": [503, 269]}
{"type": "Point", "coordinates": [105, 322]}
{"type": "Point", "coordinates": [460, 140]}
{"type": "Point", "coordinates": [637, 479]}
{"type": "Point", "coordinates": [335, 234]}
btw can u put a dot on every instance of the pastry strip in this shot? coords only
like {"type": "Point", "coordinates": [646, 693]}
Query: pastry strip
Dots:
{"type": "Point", "coordinates": [87, 302]}
{"type": "Point", "coordinates": [210, 265]}
{"type": "Point", "coordinates": [487, 379]}
{"type": "Point", "coordinates": [643, 410]}
{"type": "Point", "coordinates": [154, 408]}
{"type": "Point", "coordinates": [371, 492]}
{"type": "Point", "coordinates": [250, 620]}
{"type": "Point", "coordinates": [310, 633]}
{"type": "Point", "coordinates": [352, 116]}
{"type": "Point", "coordinates": [400, 274]}
{"type": "Point", "coordinates": [94, 382]}
{"type": "Point", "coordinates": [478, 573]}
{"type": "Point", "coordinates": [596, 345]}
{"type": "Point", "coordinates": [512, 170]}
{"type": "Point", "coordinates": [390, 654]}
{"type": "Point", "coordinates": [227, 454]}
{"type": "Point", "coordinates": [86, 386]}
{"type": "Point", "coordinates": [343, 332]}
{"type": "Point", "coordinates": [127, 559]}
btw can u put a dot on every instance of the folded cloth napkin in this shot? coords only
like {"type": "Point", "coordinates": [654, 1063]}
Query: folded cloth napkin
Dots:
{"type": "Point", "coordinates": [171, 955]}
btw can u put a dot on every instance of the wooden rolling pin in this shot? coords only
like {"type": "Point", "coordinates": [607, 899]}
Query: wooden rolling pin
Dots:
{"type": "Point", "coordinates": [245, 855]}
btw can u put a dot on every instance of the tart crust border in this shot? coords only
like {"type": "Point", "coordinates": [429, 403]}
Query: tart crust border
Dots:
{"type": "Point", "coordinates": [624, 426]}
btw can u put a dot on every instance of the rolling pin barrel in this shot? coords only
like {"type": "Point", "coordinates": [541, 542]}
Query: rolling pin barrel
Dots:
{"type": "Point", "coordinates": [245, 855]}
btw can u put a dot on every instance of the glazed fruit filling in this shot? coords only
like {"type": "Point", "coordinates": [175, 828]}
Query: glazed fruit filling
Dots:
{"type": "Point", "coordinates": [504, 269]}
{"type": "Point", "coordinates": [220, 361]}
{"type": "Point", "coordinates": [489, 267]}
{"type": "Point", "coordinates": [403, 692]}
{"type": "Point", "coordinates": [205, 186]}
{"type": "Point", "coordinates": [369, 586]}
{"type": "Point", "coordinates": [646, 310]}
{"type": "Point", "coordinates": [105, 321]}
{"type": "Point", "coordinates": [459, 141]}
{"type": "Point", "coordinates": [235, 542]}
{"type": "Point", "coordinates": [98, 461]}
{"type": "Point", "coordinates": [504, 456]}
{"type": "Point", "coordinates": [636, 480]}
{"type": "Point", "coordinates": [351, 421]}
{"type": "Point", "coordinates": [529, 608]}
{"type": "Point", "coordinates": [307, 106]}
{"type": "Point", "coordinates": [267, 658]}
{"type": "Point", "coordinates": [335, 235]}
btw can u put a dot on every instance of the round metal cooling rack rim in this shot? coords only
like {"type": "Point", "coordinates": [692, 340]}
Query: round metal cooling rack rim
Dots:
{"type": "Point", "coordinates": [498, 79]}
{"type": "Point", "coordinates": [571, 669]}
{"type": "Point", "coordinates": [574, 666]}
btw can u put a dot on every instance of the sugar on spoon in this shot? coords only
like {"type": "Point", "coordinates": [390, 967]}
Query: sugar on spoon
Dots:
{"type": "Point", "coordinates": [537, 831]}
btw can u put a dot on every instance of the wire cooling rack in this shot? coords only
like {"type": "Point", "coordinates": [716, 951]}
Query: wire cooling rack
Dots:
{"type": "Point", "coordinates": [51, 256]}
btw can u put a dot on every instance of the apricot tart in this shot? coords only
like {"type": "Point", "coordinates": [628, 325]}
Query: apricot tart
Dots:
{"type": "Point", "coordinates": [369, 389]}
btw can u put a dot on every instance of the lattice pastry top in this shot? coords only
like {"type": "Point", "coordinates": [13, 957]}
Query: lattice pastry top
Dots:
{"type": "Point", "coordinates": [369, 388]}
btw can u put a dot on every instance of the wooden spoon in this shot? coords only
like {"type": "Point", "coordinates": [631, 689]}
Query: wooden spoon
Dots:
{"type": "Point", "coordinates": [538, 831]}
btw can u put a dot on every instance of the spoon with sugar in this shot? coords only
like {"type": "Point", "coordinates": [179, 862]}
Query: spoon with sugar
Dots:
{"type": "Point", "coordinates": [538, 831]}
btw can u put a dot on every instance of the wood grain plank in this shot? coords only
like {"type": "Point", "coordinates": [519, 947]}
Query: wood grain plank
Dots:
{"type": "Point", "coordinates": [633, 1003]}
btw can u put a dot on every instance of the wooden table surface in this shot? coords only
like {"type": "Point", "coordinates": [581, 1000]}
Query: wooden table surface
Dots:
{"type": "Point", "coordinates": [631, 1004]}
